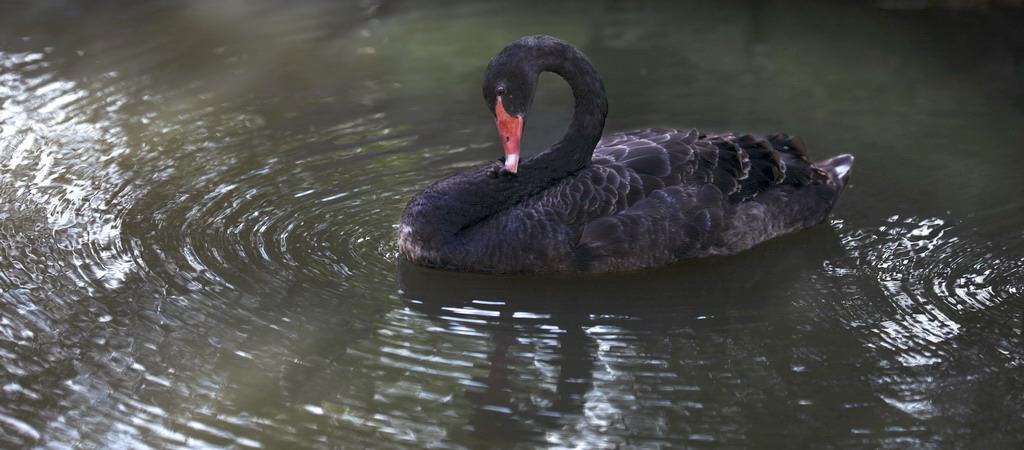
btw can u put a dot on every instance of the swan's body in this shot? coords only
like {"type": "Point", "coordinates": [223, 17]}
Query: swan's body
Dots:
{"type": "Point", "coordinates": [632, 200]}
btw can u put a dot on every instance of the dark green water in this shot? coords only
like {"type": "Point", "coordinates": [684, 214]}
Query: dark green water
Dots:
{"type": "Point", "coordinates": [199, 204]}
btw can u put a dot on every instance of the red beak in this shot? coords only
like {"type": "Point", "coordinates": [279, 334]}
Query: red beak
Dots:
{"type": "Point", "coordinates": [511, 130]}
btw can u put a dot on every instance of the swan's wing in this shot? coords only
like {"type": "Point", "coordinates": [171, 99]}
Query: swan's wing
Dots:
{"type": "Point", "coordinates": [683, 185]}
{"type": "Point", "coordinates": [741, 166]}
{"type": "Point", "coordinates": [626, 168]}
{"type": "Point", "coordinates": [673, 223]}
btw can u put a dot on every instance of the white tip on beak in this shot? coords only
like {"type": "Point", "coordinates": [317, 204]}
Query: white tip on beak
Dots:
{"type": "Point", "coordinates": [512, 163]}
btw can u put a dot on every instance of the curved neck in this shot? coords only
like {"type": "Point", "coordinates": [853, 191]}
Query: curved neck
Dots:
{"type": "Point", "coordinates": [444, 211]}
{"type": "Point", "coordinates": [573, 151]}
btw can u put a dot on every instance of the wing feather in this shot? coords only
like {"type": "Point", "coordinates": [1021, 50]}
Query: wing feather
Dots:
{"type": "Point", "coordinates": [668, 188]}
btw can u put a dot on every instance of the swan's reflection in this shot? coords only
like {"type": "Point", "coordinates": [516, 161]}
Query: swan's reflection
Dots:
{"type": "Point", "coordinates": [568, 328]}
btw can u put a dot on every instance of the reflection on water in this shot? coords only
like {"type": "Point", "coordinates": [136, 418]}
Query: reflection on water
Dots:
{"type": "Point", "coordinates": [198, 205]}
{"type": "Point", "coordinates": [605, 360]}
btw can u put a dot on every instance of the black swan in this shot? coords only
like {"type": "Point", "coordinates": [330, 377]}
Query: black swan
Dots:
{"type": "Point", "coordinates": [629, 201]}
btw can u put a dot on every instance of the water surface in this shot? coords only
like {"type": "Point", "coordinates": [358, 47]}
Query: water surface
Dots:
{"type": "Point", "coordinates": [199, 204]}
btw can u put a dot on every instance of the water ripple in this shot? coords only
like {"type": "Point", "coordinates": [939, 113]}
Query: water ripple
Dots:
{"type": "Point", "coordinates": [115, 214]}
{"type": "Point", "coordinates": [302, 212]}
{"type": "Point", "coordinates": [950, 294]}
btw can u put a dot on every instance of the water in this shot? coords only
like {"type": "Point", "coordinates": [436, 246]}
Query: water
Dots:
{"type": "Point", "coordinates": [199, 204]}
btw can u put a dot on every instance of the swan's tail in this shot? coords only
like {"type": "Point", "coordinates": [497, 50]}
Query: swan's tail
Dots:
{"type": "Point", "coordinates": [838, 168]}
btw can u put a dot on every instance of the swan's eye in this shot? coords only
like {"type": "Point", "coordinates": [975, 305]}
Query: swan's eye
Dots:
{"type": "Point", "coordinates": [500, 91]}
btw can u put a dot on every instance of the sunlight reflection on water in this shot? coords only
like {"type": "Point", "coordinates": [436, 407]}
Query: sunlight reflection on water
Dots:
{"type": "Point", "coordinates": [932, 272]}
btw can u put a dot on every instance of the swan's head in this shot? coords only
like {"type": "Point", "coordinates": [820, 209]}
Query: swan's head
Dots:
{"type": "Point", "coordinates": [509, 84]}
